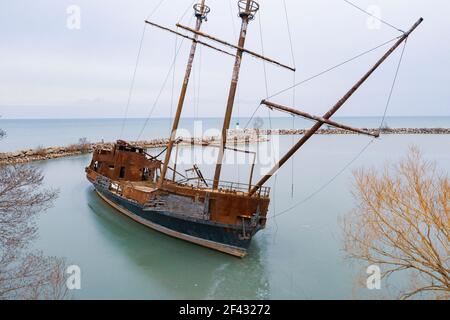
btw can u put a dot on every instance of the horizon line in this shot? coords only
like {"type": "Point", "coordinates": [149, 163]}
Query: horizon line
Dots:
{"type": "Point", "coordinates": [212, 117]}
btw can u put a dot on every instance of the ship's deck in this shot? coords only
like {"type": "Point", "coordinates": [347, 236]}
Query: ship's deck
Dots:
{"type": "Point", "coordinates": [228, 188]}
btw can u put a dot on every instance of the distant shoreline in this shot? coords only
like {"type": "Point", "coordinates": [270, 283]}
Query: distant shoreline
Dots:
{"type": "Point", "coordinates": [216, 117]}
{"type": "Point", "coordinates": [239, 137]}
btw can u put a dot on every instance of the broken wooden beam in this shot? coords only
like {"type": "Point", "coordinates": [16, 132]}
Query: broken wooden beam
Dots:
{"type": "Point", "coordinates": [293, 111]}
{"type": "Point", "coordinates": [202, 34]}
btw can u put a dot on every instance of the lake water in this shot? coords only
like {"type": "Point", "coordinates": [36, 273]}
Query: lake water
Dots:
{"type": "Point", "coordinates": [298, 256]}
{"type": "Point", "coordinates": [28, 134]}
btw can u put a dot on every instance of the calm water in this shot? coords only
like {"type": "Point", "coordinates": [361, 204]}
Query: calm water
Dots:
{"type": "Point", "coordinates": [298, 256]}
{"type": "Point", "coordinates": [28, 134]}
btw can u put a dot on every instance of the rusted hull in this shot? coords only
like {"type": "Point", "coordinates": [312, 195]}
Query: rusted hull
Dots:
{"type": "Point", "coordinates": [225, 238]}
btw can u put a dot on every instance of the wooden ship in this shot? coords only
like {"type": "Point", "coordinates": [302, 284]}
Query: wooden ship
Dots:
{"type": "Point", "coordinates": [216, 214]}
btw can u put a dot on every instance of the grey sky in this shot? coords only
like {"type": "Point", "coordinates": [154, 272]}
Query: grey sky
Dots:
{"type": "Point", "coordinates": [50, 71]}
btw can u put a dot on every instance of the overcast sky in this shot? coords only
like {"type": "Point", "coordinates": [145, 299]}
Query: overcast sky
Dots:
{"type": "Point", "coordinates": [49, 70]}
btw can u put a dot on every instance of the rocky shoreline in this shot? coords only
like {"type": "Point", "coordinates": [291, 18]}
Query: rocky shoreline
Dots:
{"type": "Point", "coordinates": [340, 131]}
{"type": "Point", "coordinates": [83, 147]}
{"type": "Point", "coordinates": [236, 137]}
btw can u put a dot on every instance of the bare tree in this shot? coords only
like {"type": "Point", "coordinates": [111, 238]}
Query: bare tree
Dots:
{"type": "Point", "coordinates": [82, 146]}
{"type": "Point", "coordinates": [402, 223]}
{"type": "Point", "coordinates": [25, 274]}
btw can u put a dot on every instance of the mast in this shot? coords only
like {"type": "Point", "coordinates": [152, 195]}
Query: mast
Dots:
{"type": "Point", "coordinates": [201, 11]}
{"type": "Point", "coordinates": [333, 110]}
{"type": "Point", "coordinates": [247, 9]}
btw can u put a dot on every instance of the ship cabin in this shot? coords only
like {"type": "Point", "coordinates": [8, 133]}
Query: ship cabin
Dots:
{"type": "Point", "coordinates": [125, 162]}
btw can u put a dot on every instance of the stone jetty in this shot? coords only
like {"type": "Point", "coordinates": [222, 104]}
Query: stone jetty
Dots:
{"type": "Point", "coordinates": [333, 131]}
{"type": "Point", "coordinates": [235, 137]}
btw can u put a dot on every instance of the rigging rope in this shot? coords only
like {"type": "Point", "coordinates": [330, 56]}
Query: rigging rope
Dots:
{"type": "Point", "coordinates": [172, 99]}
{"type": "Point", "coordinates": [293, 91]}
{"type": "Point", "coordinates": [267, 93]}
{"type": "Point", "coordinates": [232, 19]}
{"type": "Point", "coordinates": [130, 92]}
{"type": "Point", "coordinates": [155, 9]}
{"type": "Point", "coordinates": [262, 52]}
{"type": "Point", "coordinates": [332, 68]}
{"type": "Point", "coordinates": [324, 186]}
{"type": "Point", "coordinates": [186, 11]}
{"type": "Point", "coordinates": [321, 73]}
{"type": "Point", "coordinates": [200, 56]}
{"type": "Point", "coordinates": [373, 16]}
{"type": "Point", "coordinates": [264, 65]}
{"type": "Point", "coordinates": [159, 93]}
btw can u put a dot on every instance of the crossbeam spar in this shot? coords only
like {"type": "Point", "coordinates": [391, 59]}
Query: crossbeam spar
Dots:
{"type": "Point", "coordinates": [293, 111]}
{"type": "Point", "coordinates": [188, 37]}
{"type": "Point", "coordinates": [256, 55]}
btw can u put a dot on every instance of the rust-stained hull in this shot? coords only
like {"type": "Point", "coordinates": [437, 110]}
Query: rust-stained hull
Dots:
{"type": "Point", "coordinates": [224, 238]}
{"type": "Point", "coordinates": [224, 219]}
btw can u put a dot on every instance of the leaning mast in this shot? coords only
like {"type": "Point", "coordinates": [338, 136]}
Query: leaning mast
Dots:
{"type": "Point", "coordinates": [201, 12]}
{"type": "Point", "coordinates": [247, 9]}
{"type": "Point", "coordinates": [325, 119]}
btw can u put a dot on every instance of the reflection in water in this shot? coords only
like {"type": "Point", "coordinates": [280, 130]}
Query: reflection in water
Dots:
{"type": "Point", "coordinates": [216, 275]}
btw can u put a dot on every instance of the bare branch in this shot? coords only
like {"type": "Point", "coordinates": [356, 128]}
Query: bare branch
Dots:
{"type": "Point", "coordinates": [402, 222]}
{"type": "Point", "coordinates": [31, 275]}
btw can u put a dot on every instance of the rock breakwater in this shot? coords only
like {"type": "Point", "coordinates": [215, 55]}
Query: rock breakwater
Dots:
{"type": "Point", "coordinates": [235, 137]}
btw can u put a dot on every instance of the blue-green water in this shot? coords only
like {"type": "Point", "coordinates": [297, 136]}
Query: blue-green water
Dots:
{"type": "Point", "coordinates": [298, 256]}
{"type": "Point", "coordinates": [28, 134]}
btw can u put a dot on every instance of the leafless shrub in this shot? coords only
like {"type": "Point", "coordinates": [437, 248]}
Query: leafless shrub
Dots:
{"type": "Point", "coordinates": [23, 274]}
{"type": "Point", "coordinates": [402, 223]}
{"type": "Point", "coordinates": [21, 199]}
{"type": "Point", "coordinates": [33, 276]}
{"type": "Point", "coordinates": [40, 151]}
{"type": "Point", "coordinates": [83, 146]}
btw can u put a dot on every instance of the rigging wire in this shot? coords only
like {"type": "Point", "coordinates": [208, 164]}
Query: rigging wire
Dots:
{"type": "Point", "coordinates": [133, 80]}
{"type": "Point", "coordinates": [265, 76]}
{"type": "Point", "coordinates": [264, 66]}
{"type": "Point", "coordinates": [159, 93]}
{"type": "Point", "coordinates": [274, 203]}
{"type": "Point", "coordinates": [200, 58]}
{"type": "Point", "coordinates": [170, 69]}
{"type": "Point", "coordinates": [193, 86]}
{"type": "Point", "coordinates": [293, 91]}
{"type": "Point", "coordinates": [334, 67]}
{"type": "Point", "coordinates": [155, 9]}
{"type": "Point", "coordinates": [237, 100]}
{"type": "Point", "coordinates": [393, 85]}
{"type": "Point", "coordinates": [322, 73]}
{"type": "Point", "coordinates": [373, 16]}
{"type": "Point", "coordinates": [186, 11]}
{"type": "Point", "coordinates": [262, 52]}
{"type": "Point", "coordinates": [340, 172]}
{"type": "Point", "coordinates": [232, 19]}
{"type": "Point", "coordinates": [172, 99]}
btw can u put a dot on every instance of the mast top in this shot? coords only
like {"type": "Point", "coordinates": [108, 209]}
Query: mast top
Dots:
{"type": "Point", "coordinates": [201, 11]}
{"type": "Point", "coordinates": [248, 8]}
